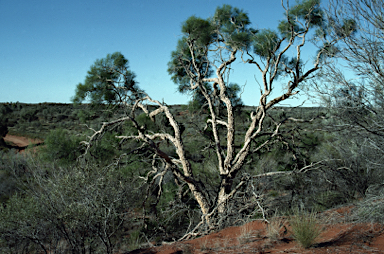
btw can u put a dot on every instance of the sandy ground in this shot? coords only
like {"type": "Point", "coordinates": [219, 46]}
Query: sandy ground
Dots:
{"type": "Point", "coordinates": [337, 237]}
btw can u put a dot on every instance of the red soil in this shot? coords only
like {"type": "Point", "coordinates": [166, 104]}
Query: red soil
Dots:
{"type": "Point", "coordinates": [21, 141]}
{"type": "Point", "coordinates": [338, 236]}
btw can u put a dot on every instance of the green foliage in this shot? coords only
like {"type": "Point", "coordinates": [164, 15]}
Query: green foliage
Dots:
{"type": "Point", "coordinates": [286, 28]}
{"type": "Point", "coordinates": [62, 147]}
{"type": "Point", "coordinates": [169, 195]}
{"type": "Point", "coordinates": [28, 114]}
{"type": "Point", "coordinates": [265, 43]}
{"type": "Point", "coordinates": [7, 184]}
{"type": "Point", "coordinates": [344, 28]}
{"type": "Point", "coordinates": [308, 11]}
{"type": "Point", "coordinates": [305, 228]}
{"type": "Point", "coordinates": [199, 101]}
{"type": "Point", "coordinates": [328, 50]}
{"type": "Point", "coordinates": [106, 149]}
{"type": "Point", "coordinates": [180, 67]}
{"type": "Point", "coordinates": [228, 25]}
{"type": "Point", "coordinates": [328, 199]}
{"type": "Point", "coordinates": [229, 29]}
{"type": "Point", "coordinates": [108, 81]}
{"type": "Point", "coordinates": [224, 14]}
{"type": "Point", "coordinates": [135, 239]}
{"type": "Point", "coordinates": [348, 28]}
{"type": "Point", "coordinates": [17, 219]}
{"type": "Point", "coordinates": [233, 93]}
{"type": "Point", "coordinates": [5, 111]}
{"type": "Point", "coordinates": [233, 24]}
{"type": "Point", "coordinates": [180, 58]}
{"type": "Point", "coordinates": [83, 116]}
{"type": "Point", "coordinates": [199, 30]}
{"type": "Point", "coordinates": [194, 106]}
{"type": "Point", "coordinates": [146, 122]}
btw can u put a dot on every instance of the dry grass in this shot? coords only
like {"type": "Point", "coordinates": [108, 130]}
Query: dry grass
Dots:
{"type": "Point", "coordinates": [186, 249]}
{"type": "Point", "coordinates": [276, 228]}
{"type": "Point", "coordinates": [245, 234]}
{"type": "Point", "coordinates": [205, 245]}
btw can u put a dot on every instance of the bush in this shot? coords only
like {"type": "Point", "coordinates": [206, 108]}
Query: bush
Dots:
{"type": "Point", "coordinates": [371, 209]}
{"type": "Point", "coordinates": [62, 147]}
{"type": "Point", "coordinates": [305, 228]}
{"type": "Point", "coordinates": [28, 114]}
{"type": "Point", "coordinates": [64, 210]}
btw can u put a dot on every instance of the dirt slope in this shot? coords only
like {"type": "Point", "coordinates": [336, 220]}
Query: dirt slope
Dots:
{"type": "Point", "coordinates": [21, 143]}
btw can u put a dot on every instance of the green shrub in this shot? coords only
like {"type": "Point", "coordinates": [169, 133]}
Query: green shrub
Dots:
{"type": "Point", "coordinates": [328, 199]}
{"type": "Point", "coordinates": [83, 116]}
{"type": "Point", "coordinates": [28, 114]}
{"type": "Point", "coordinates": [62, 147]}
{"type": "Point", "coordinates": [135, 239]}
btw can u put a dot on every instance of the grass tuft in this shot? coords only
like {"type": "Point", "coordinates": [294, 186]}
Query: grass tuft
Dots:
{"type": "Point", "coordinates": [275, 228]}
{"type": "Point", "coordinates": [305, 228]}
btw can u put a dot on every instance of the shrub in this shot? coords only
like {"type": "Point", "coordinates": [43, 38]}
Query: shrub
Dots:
{"type": "Point", "coordinates": [371, 209]}
{"type": "Point", "coordinates": [28, 114]}
{"type": "Point", "coordinates": [61, 146]}
{"type": "Point", "coordinates": [65, 210]}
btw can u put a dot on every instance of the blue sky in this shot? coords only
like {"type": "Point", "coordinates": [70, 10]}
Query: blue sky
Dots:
{"type": "Point", "coordinates": [48, 46]}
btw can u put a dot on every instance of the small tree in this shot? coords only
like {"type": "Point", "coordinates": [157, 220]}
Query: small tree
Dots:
{"type": "Point", "coordinates": [108, 81]}
{"type": "Point", "coordinates": [201, 64]}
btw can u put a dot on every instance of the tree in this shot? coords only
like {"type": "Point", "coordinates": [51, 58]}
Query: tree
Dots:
{"type": "Point", "coordinates": [108, 81]}
{"type": "Point", "coordinates": [358, 27]}
{"type": "Point", "coordinates": [351, 86]}
{"type": "Point", "coordinates": [201, 64]}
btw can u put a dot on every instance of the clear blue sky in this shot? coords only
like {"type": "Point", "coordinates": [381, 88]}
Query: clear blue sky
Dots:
{"type": "Point", "coordinates": [48, 46]}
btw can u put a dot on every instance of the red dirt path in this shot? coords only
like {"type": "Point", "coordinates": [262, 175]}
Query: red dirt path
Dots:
{"type": "Point", "coordinates": [338, 236]}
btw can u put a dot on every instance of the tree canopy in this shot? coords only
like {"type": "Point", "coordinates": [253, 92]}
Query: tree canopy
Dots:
{"type": "Point", "coordinates": [109, 80]}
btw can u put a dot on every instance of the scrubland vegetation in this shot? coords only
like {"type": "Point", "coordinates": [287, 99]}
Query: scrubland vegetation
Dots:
{"type": "Point", "coordinates": [124, 170]}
